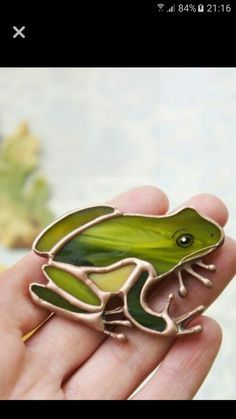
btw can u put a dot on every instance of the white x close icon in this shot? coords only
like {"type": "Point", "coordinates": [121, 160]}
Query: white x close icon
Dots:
{"type": "Point", "coordinates": [19, 32]}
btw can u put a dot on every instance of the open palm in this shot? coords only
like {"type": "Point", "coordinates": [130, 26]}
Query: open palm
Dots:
{"type": "Point", "coordinates": [67, 360]}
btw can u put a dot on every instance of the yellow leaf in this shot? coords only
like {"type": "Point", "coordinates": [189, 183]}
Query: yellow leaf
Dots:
{"type": "Point", "coordinates": [24, 211]}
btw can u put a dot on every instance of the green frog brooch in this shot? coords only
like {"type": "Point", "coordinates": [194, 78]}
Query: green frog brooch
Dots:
{"type": "Point", "coordinates": [103, 265]}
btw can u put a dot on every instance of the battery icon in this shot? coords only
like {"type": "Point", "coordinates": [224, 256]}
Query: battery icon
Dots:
{"type": "Point", "coordinates": [200, 8]}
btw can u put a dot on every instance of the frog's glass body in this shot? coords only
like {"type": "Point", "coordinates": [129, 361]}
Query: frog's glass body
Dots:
{"type": "Point", "coordinates": [103, 263]}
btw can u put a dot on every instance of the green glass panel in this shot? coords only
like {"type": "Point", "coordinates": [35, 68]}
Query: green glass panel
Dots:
{"type": "Point", "coordinates": [53, 298]}
{"type": "Point", "coordinates": [147, 238]}
{"type": "Point", "coordinates": [67, 224]}
{"type": "Point", "coordinates": [135, 309]}
{"type": "Point", "coordinates": [72, 285]}
{"type": "Point", "coordinates": [112, 281]}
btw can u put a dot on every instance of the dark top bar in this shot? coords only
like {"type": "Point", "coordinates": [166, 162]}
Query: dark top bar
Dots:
{"type": "Point", "coordinates": [127, 33]}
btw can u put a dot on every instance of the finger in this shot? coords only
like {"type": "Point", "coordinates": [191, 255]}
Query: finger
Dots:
{"type": "Point", "coordinates": [185, 366]}
{"type": "Point", "coordinates": [15, 305]}
{"type": "Point", "coordinates": [209, 205]}
{"type": "Point", "coordinates": [143, 352]}
{"type": "Point", "coordinates": [12, 355]}
{"type": "Point", "coordinates": [68, 344]}
{"type": "Point", "coordinates": [144, 199]}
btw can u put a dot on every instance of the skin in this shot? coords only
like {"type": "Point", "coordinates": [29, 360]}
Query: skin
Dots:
{"type": "Point", "coordinates": [64, 360]}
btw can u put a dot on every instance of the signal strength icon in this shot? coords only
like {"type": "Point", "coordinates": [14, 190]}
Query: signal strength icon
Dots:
{"type": "Point", "coordinates": [171, 9]}
{"type": "Point", "coordinates": [160, 6]}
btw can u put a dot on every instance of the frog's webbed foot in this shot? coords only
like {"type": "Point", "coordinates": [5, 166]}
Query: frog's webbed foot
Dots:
{"type": "Point", "coordinates": [188, 267]}
{"type": "Point", "coordinates": [112, 323]}
{"type": "Point", "coordinates": [180, 322]}
{"type": "Point", "coordinates": [118, 336]}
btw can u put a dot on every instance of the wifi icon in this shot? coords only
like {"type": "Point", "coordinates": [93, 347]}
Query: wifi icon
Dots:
{"type": "Point", "coordinates": [160, 6]}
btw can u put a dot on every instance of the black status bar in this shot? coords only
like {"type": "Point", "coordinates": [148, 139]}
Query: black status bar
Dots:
{"type": "Point", "coordinates": [193, 8]}
{"type": "Point", "coordinates": [131, 34]}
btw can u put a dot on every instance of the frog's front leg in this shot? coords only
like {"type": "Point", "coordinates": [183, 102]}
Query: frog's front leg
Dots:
{"type": "Point", "coordinates": [188, 267]}
{"type": "Point", "coordinates": [180, 321]}
{"type": "Point", "coordinates": [161, 323]}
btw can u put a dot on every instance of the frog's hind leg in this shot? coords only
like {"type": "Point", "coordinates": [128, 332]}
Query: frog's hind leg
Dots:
{"type": "Point", "coordinates": [113, 323]}
{"type": "Point", "coordinates": [116, 310]}
{"type": "Point", "coordinates": [126, 323]}
{"type": "Point", "coordinates": [51, 300]}
{"type": "Point", "coordinates": [114, 316]}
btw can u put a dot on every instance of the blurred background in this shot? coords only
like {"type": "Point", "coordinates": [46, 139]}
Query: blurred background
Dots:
{"type": "Point", "coordinates": [90, 133]}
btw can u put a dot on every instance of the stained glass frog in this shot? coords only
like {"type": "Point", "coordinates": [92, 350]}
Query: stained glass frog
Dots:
{"type": "Point", "coordinates": [103, 264]}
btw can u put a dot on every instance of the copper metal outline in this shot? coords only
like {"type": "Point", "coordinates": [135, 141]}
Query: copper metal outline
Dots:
{"type": "Point", "coordinates": [75, 232]}
{"type": "Point", "coordinates": [94, 313]}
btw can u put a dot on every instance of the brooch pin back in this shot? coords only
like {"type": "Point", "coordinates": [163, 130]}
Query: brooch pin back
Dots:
{"type": "Point", "coordinates": [102, 264]}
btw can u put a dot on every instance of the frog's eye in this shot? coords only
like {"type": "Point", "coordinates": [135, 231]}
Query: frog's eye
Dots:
{"type": "Point", "coordinates": [185, 240]}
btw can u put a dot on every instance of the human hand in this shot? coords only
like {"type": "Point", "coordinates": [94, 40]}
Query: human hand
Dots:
{"type": "Point", "coordinates": [67, 360]}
